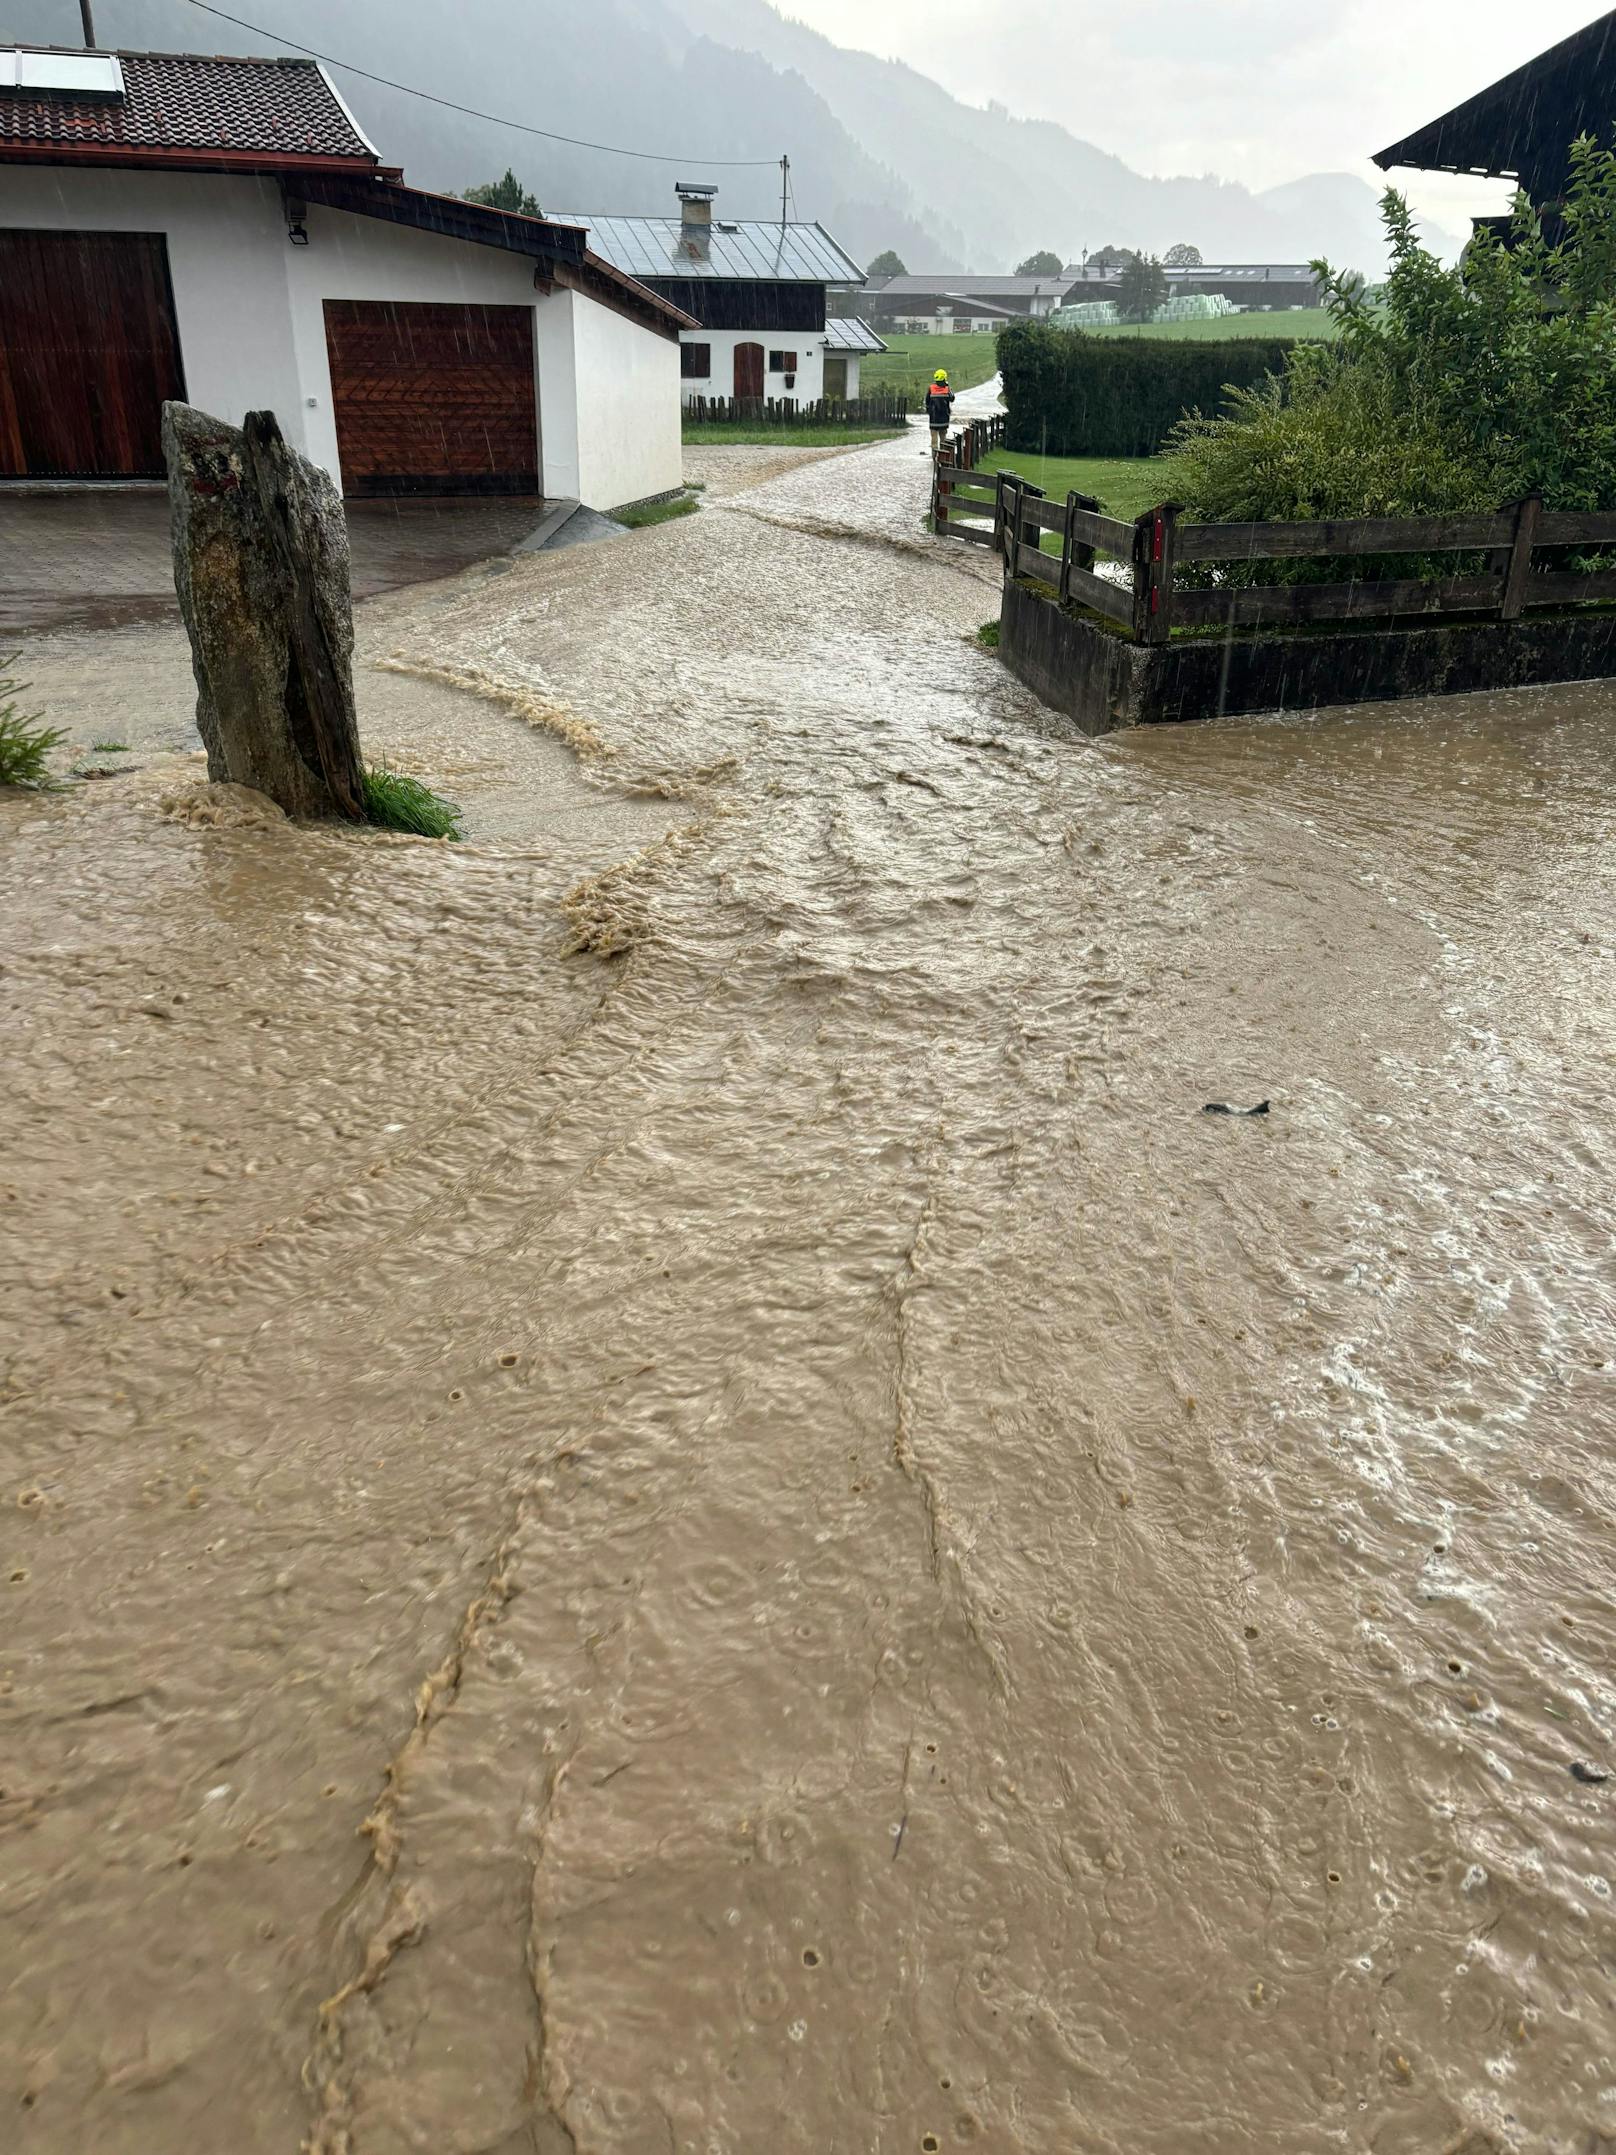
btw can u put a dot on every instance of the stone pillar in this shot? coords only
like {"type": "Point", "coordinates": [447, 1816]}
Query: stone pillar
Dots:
{"type": "Point", "coordinates": [261, 568]}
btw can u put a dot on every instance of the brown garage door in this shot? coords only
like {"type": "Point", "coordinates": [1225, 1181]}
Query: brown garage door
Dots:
{"type": "Point", "coordinates": [433, 399]}
{"type": "Point", "coordinates": [88, 353]}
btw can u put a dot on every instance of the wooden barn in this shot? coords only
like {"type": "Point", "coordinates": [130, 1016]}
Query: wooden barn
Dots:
{"type": "Point", "coordinates": [1522, 127]}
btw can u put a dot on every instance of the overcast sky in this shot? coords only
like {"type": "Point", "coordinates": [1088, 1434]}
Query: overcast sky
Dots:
{"type": "Point", "coordinates": [1254, 90]}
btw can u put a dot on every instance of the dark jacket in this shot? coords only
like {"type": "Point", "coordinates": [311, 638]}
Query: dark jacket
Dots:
{"type": "Point", "coordinates": [939, 403]}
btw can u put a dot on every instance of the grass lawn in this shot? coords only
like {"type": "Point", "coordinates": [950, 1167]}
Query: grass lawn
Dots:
{"type": "Point", "coordinates": [1298, 322]}
{"type": "Point", "coordinates": [785, 437]}
{"type": "Point", "coordinates": [912, 361]}
{"type": "Point", "coordinates": [1124, 486]}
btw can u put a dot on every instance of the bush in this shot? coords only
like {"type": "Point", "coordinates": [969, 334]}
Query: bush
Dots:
{"type": "Point", "coordinates": [1068, 394]}
{"type": "Point", "coordinates": [1450, 389]}
{"type": "Point", "coordinates": [24, 742]}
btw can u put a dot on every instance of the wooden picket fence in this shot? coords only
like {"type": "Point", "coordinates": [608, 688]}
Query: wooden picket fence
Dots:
{"type": "Point", "coordinates": [1143, 597]}
{"type": "Point", "coordinates": [885, 408]}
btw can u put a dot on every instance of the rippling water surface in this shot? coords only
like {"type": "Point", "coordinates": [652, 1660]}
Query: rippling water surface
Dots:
{"type": "Point", "coordinates": [771, 1540]}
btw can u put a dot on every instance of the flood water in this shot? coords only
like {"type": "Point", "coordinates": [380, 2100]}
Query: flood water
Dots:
{"type": "Point", "coordinates": [760, 1535]}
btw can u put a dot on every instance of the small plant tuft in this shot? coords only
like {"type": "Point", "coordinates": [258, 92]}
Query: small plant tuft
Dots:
{"type": "Point", "coordinates": [988, 635]}
{"type": "Point", "coordinates": [110, 748]}
{"type": "Point", "coordinates": [24, 742]}
{"type": "Point", "coordinates": [640, 514]}
{"type": "Point", "coordinates": [397, 803]}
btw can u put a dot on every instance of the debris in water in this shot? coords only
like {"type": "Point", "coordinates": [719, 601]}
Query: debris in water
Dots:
{"type": "Point", "coordinates": [1219, 1107]}
{"type": "Point", "coordinates": [1589, 1776]}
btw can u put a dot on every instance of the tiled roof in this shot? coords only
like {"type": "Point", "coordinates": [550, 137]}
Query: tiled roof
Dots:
{"type": "Point", "coordinates": [177, 106]}
{"type": "Point", "coordinates": [847, 333]}
{"type": "Point", "coordinates": [756, 251]}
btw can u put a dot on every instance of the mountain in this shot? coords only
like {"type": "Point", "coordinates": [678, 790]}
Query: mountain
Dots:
{"type": "Point", "coordinates": [882, 156]}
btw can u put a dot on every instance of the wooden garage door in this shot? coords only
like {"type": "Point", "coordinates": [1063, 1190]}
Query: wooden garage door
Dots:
{"type": "Point", "coordinates": [433, 399]}
{"type": "Point", "coordinates": [88, 353]}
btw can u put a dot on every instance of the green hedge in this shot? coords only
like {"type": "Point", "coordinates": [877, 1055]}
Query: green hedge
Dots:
{"type": "Point", "coordinates": [1068, 394]}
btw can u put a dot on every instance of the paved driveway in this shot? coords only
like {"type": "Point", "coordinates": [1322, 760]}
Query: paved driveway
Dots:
{"type": "Point", "coordinates": [99, 558]}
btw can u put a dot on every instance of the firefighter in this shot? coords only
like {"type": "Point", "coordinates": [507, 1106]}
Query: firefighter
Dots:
{"type": "Point", "coordinates": [939, 405]}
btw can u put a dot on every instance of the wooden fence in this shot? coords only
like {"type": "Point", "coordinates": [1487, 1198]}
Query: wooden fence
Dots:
{"type": "Point", "coordinates": [1143, 596]}
{"type": "Point", "coordinates": [885, 408]}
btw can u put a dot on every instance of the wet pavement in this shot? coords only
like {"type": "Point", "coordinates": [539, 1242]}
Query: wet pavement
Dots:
{"type": "Point", "coordinates": [682, 1499]}
{"type": "Point", "coordinates": [98, 557]}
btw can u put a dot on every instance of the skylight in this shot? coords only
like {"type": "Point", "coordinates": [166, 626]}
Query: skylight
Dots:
{"type": "Point", "coordinates": [66, 74]}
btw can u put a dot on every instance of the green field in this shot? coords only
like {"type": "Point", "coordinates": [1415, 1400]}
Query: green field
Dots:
{"type": "Point", "coordinates": [783, 436]}
{"type": "Point", "coordinates": [1298, 322]}
{"type": "Point", "coordinates": [911, 362]}
{"type": "Point", "coordinates": [1124, 486]}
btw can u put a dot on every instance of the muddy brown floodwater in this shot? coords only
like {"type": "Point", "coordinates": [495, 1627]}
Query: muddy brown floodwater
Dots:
{"type": "Point", "coordinates": [758, 1535]}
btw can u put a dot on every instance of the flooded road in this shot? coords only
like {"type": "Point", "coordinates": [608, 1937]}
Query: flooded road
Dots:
{"type": "Point", "coordinates": [687, 1502]}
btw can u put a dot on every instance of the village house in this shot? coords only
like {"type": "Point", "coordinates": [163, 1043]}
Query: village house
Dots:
{"type": "Point", "coordinates": [947, 304]}
{"type": "Point", "coordinates": [222, 231]}
{"type": "Point", "coordinates": [758, 295]}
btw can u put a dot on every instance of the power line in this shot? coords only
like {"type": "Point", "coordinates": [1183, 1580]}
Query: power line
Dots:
{"type": "Point", "coordinates": [572, 142]}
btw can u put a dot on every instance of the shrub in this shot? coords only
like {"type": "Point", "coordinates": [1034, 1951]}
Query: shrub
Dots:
{"type": "Point", "coordinates": [1068, 394]}
{"type": "Point", "coordinates": [24, 742]}
{"type": "Point", "coordinates": [1450, 389]}
{"type": "Point", "coordinates": [397, 803]}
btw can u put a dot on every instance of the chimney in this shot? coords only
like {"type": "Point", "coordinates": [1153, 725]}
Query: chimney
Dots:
{"type": "Point", "coordinates": [695, 217]}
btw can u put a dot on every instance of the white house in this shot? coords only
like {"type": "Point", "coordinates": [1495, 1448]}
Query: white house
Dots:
{"type": "Point", "coordinates": [221, 230]}
{"type": "Point", "coordinates": [756, 292]}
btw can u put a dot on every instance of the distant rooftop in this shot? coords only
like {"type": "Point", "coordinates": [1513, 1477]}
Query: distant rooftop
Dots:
{"type": "Point", "coordinates": [176, 108]}
{"type": "Point", "coordinates": [962, 282]}
{"type": "Point", "coordinates": [756, 251]}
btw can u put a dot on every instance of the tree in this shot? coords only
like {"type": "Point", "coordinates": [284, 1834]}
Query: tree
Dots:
{"type": "Point", "coordinates": [1141, 288]}
{"type": "Point", "coordinates": [1042, 264]}
{"type": "Point", "coordinates": [1183, 256]}
{"type": "Point", "coordinates": [1111, 258]}
{"type": "Point", "coordinates": [889, 264]}
{"type": "Point", "coordinates": [505, 194]}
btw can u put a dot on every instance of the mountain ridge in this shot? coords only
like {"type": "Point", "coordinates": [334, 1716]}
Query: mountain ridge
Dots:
{"type": "Point", "coordinates": [880, 154]}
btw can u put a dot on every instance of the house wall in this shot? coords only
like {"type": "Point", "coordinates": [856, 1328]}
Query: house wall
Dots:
{"type": "Point", "coordinates": [251, 314]}
{"type": "Point", "coordinates": [808, 344]}
{"type": "Point", "coordinates": [227, 261]}
{"type": "Point", "coordinates": [627, 401]}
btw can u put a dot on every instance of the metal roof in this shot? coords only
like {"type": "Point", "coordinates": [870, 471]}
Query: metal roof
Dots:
{"type": "Point", "coordinates": [1523, 124]}
{"type": "Point", "coordinates": [662, 247]}
{"type": "Point", "coordinates": [958, 286]}
{"type": "Point", "coordinates": [849, 333]}
{"type": "Point", "coordinates": [182, 107]}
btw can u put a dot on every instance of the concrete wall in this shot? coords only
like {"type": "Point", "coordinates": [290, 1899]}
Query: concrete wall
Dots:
{"type": "Point", "coordinates": [251, 314]}
{"type": "Point", "coordinates": [1102, 682]}
{"type": "Point", "coordinates": [808, 344]}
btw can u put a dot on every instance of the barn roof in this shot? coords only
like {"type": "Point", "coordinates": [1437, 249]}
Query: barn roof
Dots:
{"type": "Point", "coordinates": [1522, 126]}
{"type": "Point", "coordinates": [756, 252]}
{"type": "Point", "coordinates": [182, 109]}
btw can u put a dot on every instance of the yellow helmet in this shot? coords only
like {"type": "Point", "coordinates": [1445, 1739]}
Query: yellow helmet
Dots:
{"type": "Point", "coordinates": [941, 375]}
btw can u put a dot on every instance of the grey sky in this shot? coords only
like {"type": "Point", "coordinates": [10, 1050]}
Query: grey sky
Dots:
{"type": "Point", "coordinates": [1254, 90]}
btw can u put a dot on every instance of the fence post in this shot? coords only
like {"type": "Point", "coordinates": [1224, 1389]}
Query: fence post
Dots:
{"type": "Point", "coordinates": [1518, 570]}
{"type": "Point", "coordinates": [940, 489]}
{"type": "Point", "coordinates": [1003, 484]}
{"type": "Point", "coordinates": [1027, 534]}
{"type": "Point", "coordinates": [1072, 554]}
{"type": "Point", "coordinates": [1154, 547]}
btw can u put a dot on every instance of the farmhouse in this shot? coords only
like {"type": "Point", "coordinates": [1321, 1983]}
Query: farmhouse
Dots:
{"type": "Point", "coordinates": [944, 304]}
{"type": "Point", "coordinates": [1523, 126]}
{"type": "Point", "coordinates": [756, 293]}
{"type": "Point", "coordinates": [222, 231]}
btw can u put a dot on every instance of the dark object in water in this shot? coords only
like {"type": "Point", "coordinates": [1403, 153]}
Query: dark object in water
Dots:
{"type": "Point", "coordinates": [1217, 1107]}
{"type": "Point", "coordinates": [1589, 1776]}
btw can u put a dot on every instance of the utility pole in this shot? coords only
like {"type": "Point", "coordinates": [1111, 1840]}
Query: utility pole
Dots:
{"type": "Point", "coordinates": [785, 178]}
{"type": "Point", "coordinates": [89, 25]}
